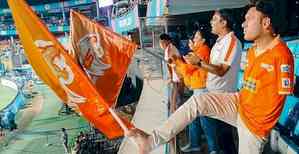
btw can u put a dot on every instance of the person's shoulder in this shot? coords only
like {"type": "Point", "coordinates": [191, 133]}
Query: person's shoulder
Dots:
{"type": "Point", "coordinates": [230, 36]}
{"type": "Point", "coordinates": [206, 47]}
{"type": "Point", "coordinates": [174, 49]}
{"type": "Point", "coordinates": [231, 39]}
{"type": "Point", "coordinates": [281, 50]}
{"type": "Point", "coordinates": [250, 51]}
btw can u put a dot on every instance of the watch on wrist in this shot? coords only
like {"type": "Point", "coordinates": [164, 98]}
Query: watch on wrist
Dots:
{"type": "Point", "coordinates": [199, 63]}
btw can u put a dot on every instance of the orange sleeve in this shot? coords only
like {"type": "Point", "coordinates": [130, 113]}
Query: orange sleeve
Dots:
{"type": "Point", "coordinates": [185, 71]}
{"type": "Point", "coordinates": [231, 50]}
{"type": "Point", "coordinates": [193, 76]}
{"type": "Point", "coordinates": [182, 70]}
{"type": "Point", "coordinates": [285, 74]}
{"type": "Point", "coordinates": [180, 66]}
{"type": "Point", "coordinates": [203, 53]}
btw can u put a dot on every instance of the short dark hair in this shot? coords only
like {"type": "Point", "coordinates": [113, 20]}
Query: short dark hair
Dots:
{"type": "Point", "coordinates": [227, 15]}
{"type": "Point", "coordinates": [268, 8]}
{"type": "Point", "coordinates": [165, 37]}
{"type": "Point", "coordinates": [204, 34]}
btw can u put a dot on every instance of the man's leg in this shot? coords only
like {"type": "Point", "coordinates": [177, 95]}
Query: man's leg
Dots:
{"type": "Point", "coordinates": [222, 106]}
{"type": "Point", "coordinates": [248, 142]}
{"type": "Point", "coordinates": [195, 133]}
{"type": "Point", "coordinates": [209, 126]}
{"type": "Point", "coordinates": [226, 137]}
{"type": "Point", "coordinates": [194, 128]}
{"type": "Point", "coordinates": [65, 146]}
{"type": "Point", "coordinates": [175, 100]}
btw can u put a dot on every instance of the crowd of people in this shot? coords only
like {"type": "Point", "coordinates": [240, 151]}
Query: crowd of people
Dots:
{"type": "Point", "coordinates": [50, 22]}
{"type": "Point", "coordinates": [125, 6]}
{"type": "Point", "coordinates": [91, 142]}
{"type": "Point", "coordinates": [55, 21]}
{"type": "Point", "coordinates": [251, 112]}
{"type": "Point", "coordinates": [6, 27]}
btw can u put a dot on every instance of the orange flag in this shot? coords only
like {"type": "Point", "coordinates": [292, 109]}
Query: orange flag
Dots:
{"type": "Point", "coordinates": [103, 54]}
{"type": "Point", "coordinates": [59, 71]}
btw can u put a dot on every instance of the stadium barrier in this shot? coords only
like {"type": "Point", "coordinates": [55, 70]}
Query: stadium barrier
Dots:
{"type": "Point", "coordinates": [8, 114]}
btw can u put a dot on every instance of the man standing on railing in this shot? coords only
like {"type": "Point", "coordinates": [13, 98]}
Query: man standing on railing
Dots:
{"type": "Point", "coordinates": [254, 111]}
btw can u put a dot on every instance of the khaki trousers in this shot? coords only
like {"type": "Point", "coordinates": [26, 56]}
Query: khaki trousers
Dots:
{"type": "Point", "coordinates": [222, 106]}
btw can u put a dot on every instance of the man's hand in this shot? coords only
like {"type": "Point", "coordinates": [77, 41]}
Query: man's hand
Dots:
{"type": "Point", "coordinates": [142, 140]}
{"type": "Point", "coordinates": [170, 61]}
{"type": "Point", "coordinates": [169, 81]}
{"type": "Point", "coordinates": [191, 44]}
{"type": "Point", "coordinates": [191, 58]}
{"type": "Point", "coordinates": [173, 59]}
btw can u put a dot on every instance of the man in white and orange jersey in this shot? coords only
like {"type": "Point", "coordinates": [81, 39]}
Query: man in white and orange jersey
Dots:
{"type": "Point", "coordinates": [175, 85]}
{"type": "Point", "coordinates": [254, 111]}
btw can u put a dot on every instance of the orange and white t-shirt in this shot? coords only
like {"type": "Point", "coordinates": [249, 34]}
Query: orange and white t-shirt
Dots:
{"type": "Point", "coordinates": [194, 77]}
{"type": "Point", "coordinates": [226, 50]}
{"type": "Point", "coordinates": [268, 78]}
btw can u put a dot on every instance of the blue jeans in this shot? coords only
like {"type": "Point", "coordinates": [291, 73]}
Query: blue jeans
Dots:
{"type": "Point", "coordinates": [208, 125]}
{"type": "Point", "coordinates": [194, 127]}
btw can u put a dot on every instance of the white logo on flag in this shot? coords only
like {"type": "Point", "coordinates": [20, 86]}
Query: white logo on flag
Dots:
{"type": "Point", "coordinates": [59, 67]}
{"type": "Point", "coordinates": [91, 56]}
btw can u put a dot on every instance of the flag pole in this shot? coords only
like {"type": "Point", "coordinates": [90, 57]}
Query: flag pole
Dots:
{"type": "Point", "coordinates": [122, 125]}
{"type": "Point", "coordinates": [118, 120]}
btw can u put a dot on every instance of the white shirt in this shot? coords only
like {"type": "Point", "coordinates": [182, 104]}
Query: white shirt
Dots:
{"type": "Point", "coordinates": [227, 50]}
{"type": "Point", "coordinates": [170, 51]}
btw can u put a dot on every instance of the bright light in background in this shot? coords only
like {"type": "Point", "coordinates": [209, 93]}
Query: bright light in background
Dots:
{"type": "Point", "coordinates": [104, 3]}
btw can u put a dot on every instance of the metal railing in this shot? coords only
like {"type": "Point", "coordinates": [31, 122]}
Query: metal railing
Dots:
{"type": "Point", "coordinates": [150, 35]}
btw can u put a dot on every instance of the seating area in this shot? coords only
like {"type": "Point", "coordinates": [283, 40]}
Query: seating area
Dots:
{"type": "Point", "coordinates": [286, 133]}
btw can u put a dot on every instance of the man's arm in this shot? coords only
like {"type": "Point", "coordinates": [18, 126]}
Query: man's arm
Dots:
{"type": "Point", "coordinates": [170, 71]}
{"type": "Point", "coordinates": [219, 70]}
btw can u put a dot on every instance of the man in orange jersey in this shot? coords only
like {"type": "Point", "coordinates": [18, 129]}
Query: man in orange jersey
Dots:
{"type": "Point", "coordinates": [193, 77]}
{"type": "Point", "coordinates": [268, 78]}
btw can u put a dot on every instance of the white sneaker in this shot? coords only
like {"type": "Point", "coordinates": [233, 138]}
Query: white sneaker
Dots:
{"type": "Point", "coordinates": [188, 148]}
{"type": "Point", "coordinates": [213, 152]}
